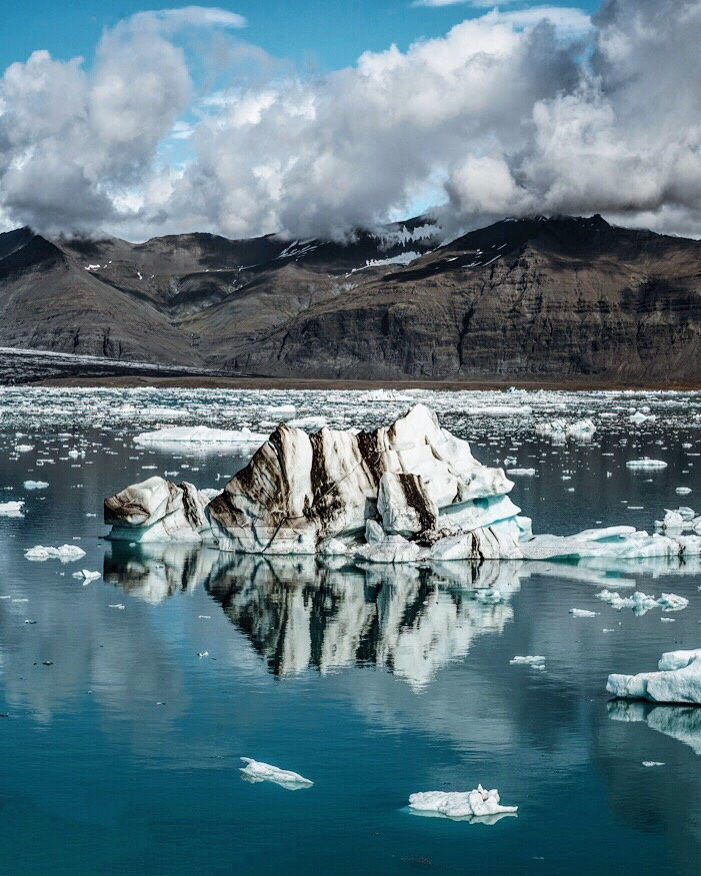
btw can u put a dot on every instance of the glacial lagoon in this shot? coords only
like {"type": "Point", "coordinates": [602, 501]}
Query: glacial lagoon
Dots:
{"type": "Point", "coordinates": [128, 701]}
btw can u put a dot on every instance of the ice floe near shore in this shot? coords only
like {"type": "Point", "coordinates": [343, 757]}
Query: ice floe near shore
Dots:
{"type": "Point", "coordinates": [678, 680]}
{"type": "Point", "coordinates": [474, 804]}
{"type": "Point", "coordinates": [257, 771]}
{"type": "Point", "coordinates": [410, 492]}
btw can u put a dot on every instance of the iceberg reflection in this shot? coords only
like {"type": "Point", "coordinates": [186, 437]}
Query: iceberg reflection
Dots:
{"type": "Point", "coordinates": [680, 722]}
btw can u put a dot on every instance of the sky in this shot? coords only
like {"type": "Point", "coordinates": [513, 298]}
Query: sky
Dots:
{"type": "Point", "coordinates": [314, 118]}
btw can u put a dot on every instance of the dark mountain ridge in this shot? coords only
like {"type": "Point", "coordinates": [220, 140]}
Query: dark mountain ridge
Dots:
{"type": "Point", "coordinates": [559, 297]}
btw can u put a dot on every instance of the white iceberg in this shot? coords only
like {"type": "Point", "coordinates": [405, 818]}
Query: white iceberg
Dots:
{"type": "Point", "coordinates": [35, 485]}
{"type": "Point", "coordinates": [677, 681]}
{"type": "Point", "coordinates": [641, 603]}
{"type": "Point", "coordinates": [560, 430]}
{"type": "Point", "coordinates": [461, 804]}
{"type": "Point", "coordinates": [66, 553]}
{"type": "Point", "coordinates": [582, 612]}
{"type": "Point", "coordinates": [12, 509]}
{"type": "Point", "coordinates": [200, 437]}
{"type": "Point", "coordinates": [646, 464]}
{"type": "Point", "coordinates": [257, 771]}
{"type": "Point", "coordinates": [535, 660]}
{"type": "Point", "coordinates": [87, 576]}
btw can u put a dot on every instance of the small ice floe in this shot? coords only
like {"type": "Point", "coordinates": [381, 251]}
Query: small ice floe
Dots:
{"type": "Point", "coordinates": [23, 448]}
{"type": "Point", "coordinates": [201, 437]}
{"type": "Point", "coordinates": [66, 553]}
{"type": "Point", "coordinates": [257, 771]}
{"type": "Point", "coordinates": [86, 576]}
{"type": "Point", "coordinates": [641, 603]}
{"type": "Point", "coordinates": [469, 805]}
{"type": "Point", "coordinates": [281, 413]}
{"type": "Point", "coordinates": [35, 485]}
{"type": "Point", "coordinates": [12, 509]}
{"type": "Point", "coordinates": [521, 472]}
{"type": "Point", "coordinates": [680, 491]}
{"type": "Point", "coordinates": [560, 430]}
{"type": "Point", "coordinates": [646, 464]}
{"type": "Point", "coordinates": [653, 763]}
{"type": "Point", "coordinates": [677, 681]}
{"type": "Point", "coordinates": [534, 660]}
{"type": "Point", "coordinates": [312, 423]}
{"type": "Point", "coordinates": [203, 654]}
{"type": "Point", "coordinates": [639, 417]}
{"type": "Point", "coordinates": [582, 612]}
{"type": "Point", "coordinates": [117, 605]}
{"type": "Point", "coordinates": [204, 616]}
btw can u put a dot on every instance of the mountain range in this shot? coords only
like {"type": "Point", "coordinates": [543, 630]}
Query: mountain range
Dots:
{"type": "Point", "coordinates": [561, 298]}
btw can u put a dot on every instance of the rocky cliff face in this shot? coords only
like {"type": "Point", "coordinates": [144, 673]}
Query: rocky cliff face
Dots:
{"type": "Point", "coordinates": [539, 298]}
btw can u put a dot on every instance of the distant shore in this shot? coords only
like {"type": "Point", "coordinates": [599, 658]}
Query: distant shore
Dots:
{"type": "Point", "coordinates": [576, 384]}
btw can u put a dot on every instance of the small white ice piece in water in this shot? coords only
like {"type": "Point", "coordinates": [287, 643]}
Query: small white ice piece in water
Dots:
{"type": "Point", "coordinates": [257, 771]}
{"type": "Point", "coordinates": [11, 509]}
{"type": "Point", "coordinates": [35, 485]}
{"type": "Point", "coordinates": [67, 553]}
{"type": "Point", "coordinates": [87, 576]}
{"type": "Point", "coordinates": [534, 660]}
{"type": "Point", "coordinates": [646, 464]}
{"type": "Point", "coordinates": [460, 804]}
{"type": "Point", "coordinates": [521, 472]}
{"type": "Point", "coordinates": [582, 612]}
{"type": "Point", "coordinates": [653, 763]}
{"type": "Point", "coordinates": [119, 605]}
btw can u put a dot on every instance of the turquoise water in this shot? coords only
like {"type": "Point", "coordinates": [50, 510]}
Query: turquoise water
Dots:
{"type": "Point", "coordinates": [122, 755]}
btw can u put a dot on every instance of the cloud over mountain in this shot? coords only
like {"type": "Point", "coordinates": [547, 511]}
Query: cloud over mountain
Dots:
{"type": "Point", "coordinates": [509, 113]}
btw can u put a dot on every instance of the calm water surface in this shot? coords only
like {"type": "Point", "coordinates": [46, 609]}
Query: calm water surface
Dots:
{"type": "Point", "coordinates": [122, 755]}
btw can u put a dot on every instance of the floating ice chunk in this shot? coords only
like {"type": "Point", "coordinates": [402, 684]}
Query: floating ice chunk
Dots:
{"type": "Point", "coordinates": [641, 603]}
{"type": "Point", "coordinates": [257, 771]}
{"type": "Point", "coordinates": [536, 661]}
{"type": "Point", "coordinates": [66, 553]}
{"type": "Point", "coordinates": [683, 491]}
{"type": "Point", "coordinates": [118, 605]}
{"type": "Point", "coordinates": [653, 763]}
{"type": "Point", "coordinates": [201, 437]}
{"type": "Point", "coordinates": [312, 423]}
{"type": "Point", "coordinates": [560, 430]}
{"type": "Point", "coordinates": [24, 448]}
{"type": "Point", "coordinates": [35, 485]}
{"type": "Point", "coordinates": [646, 464]}
{"type": "Point", "coordinates": [638, 417]}
{"type": "Point", "coordinates": [521, 472]}
{"type": "Point", "coordinates": [582, 612]}
{"type": "Point", "coordinates": [281, 412]}
{"type": "Point", "coordinates": [460, 804]}
{"type": "Point", "coordinates": [12, 509]}
{"type": "Point", "coordinates": [677, 681]}
{"type": "Point", "coordinates": [87, 576]}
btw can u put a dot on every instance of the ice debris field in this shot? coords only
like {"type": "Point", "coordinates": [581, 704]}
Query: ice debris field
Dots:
{"type": "Point", "coordinates": [389, 479]}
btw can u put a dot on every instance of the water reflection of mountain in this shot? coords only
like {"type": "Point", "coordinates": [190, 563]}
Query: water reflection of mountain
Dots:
{"type": "Point", "coordinates": [298, 614]}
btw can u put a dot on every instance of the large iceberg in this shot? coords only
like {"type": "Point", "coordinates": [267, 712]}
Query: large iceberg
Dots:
{"type": "Point", "coordinates": [410, 492]}
{"type": "Point", "coordinates": [677, 681]}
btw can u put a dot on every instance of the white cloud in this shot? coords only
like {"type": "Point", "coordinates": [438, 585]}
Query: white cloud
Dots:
{"type": "Point", "coordinates": [508, 113]}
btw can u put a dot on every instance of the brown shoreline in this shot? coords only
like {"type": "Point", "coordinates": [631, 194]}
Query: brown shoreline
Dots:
{"type": "Point", "coordinates": [202, 382]}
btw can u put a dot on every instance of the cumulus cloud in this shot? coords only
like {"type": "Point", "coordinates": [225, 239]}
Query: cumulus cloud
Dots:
{"type": "Point", "coordinates": [517, 111]}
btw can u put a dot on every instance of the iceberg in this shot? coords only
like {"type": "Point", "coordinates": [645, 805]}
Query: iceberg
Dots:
{"type": "Point", "coordinates": [200, 437]}
{"type": "Point", "coordinates": [461, 804]}
{"type": "Point", "coordinates": [560, 430]}
{"type": "Point", "coordinates": [646, 464]}
{"type": "Point", "coordinates": [678, 680]}
{"type": "Point", "coordinates": [641, 603]}
{"type": "Point", "coordinates": [35, 485]}
{"type": "Point", "coordinates": [410, 492]}
{"type": "Point", "coordinates": [257, 771]}
{"type": "Point", "coordinates": [12, 509]}
{"type": "Point", "coordinates": [67, 553]}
